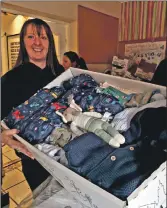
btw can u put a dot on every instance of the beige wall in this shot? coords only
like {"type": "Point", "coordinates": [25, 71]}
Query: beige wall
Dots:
{"type": "Point", "coordinates": [73, 36]}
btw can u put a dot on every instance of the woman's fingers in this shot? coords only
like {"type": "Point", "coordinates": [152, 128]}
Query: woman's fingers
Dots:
{"type": "Point", "coordinates": [7, 138]}
{"type": "Point", "coordinates": [10, 132]}
{"type": "Point", "coordinates": [20, 147]}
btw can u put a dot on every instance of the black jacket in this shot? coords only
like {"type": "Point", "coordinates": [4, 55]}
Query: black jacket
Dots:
{"type": "Point", "coordinates": [22, 82]}
{"type": "Point", "coordinates": [160, 75]}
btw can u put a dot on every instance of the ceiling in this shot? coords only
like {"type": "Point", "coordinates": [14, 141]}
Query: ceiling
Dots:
{"type": "Point", "coordinates": [68, 10]}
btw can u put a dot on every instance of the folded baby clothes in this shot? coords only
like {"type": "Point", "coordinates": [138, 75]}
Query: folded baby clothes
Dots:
{"type": "Point", "coordinates": [103, 165]}
{"type": "Point", "coordinates": [38, 127]}
{"type": "Point", "coordinates": [90, 100]}
{"type": "Point", "coordinates": [157, 96]}
{"type": "Point", "coordinates": [122, 97]}
{"type": "Point", "coordinates": [54, 151]}
{"type": "Point", "coordinates": [119, 121]}
{"type": "Point", "coordinates": [85, 95]}
{"type": "Point", "coordinates": [36, 102]}
{"type": "Point", "coordinates": [120, 171]}
{"type": "Point", "coordinates": [60, 136]}
{"type": "Point", "coordinates": [36, 118]}
{"type": "Point", "coordinates": [147, 124]}
{"type": "Point", "coordinates": [80, 81]}
{"type": "Point", "coordinates": [122, 120]}
{"type": "Point", "coordinates": [141, 99]}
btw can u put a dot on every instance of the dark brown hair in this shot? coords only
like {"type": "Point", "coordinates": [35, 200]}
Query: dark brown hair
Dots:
{"type": "Point", "coordinates": [51, 59]}
{"type": "Point", "coordinates": [80, 62]}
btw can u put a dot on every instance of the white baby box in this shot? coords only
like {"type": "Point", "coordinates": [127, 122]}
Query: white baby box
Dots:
{"type": "Point", "coordinates": [150, 194]}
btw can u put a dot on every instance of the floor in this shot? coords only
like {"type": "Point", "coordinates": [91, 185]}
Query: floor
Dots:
{"type": "Point", "coordinates": [14, 181]}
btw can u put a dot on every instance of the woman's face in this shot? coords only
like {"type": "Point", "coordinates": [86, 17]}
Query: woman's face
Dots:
{"type": "Point", "coordinates": [67, 63]}
{"type": "Point", "coordinates": [36, 46]}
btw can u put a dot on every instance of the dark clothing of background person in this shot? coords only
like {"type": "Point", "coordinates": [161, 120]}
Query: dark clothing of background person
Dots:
{"type": "Point", "coordinates": [160, 75]}
{"type": "Point", "coordinates": [17, 86]}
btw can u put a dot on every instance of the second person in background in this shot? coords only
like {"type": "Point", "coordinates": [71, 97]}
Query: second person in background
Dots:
{"type": "Point", "coordinates": [71, 59]}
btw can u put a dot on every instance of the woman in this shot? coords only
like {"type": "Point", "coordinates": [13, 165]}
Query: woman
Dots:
{"type": "Point", "coordinates": [71, 59]}
{"type": "Point", "coordinates": [36, 66]}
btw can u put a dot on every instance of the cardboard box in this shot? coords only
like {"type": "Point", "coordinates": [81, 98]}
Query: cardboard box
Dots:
{"type": "Point", "coordinates": [151, 193]}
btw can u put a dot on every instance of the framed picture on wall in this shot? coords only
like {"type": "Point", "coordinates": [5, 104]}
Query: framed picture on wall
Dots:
{"type": "Point", "coordinates": [13, 46]}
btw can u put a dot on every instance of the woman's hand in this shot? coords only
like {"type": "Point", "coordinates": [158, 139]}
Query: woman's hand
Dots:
{"type": "Point", "coordinates": [7, 138]}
